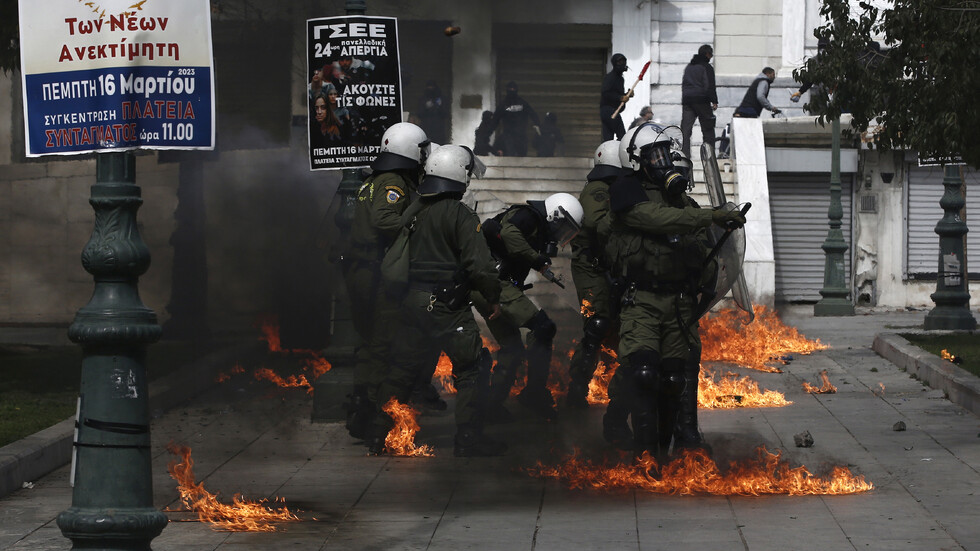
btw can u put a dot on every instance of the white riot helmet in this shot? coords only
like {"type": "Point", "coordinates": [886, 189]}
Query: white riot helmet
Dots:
{"type": "Point", "coordinates": [564, 214]}
{"type": "Point", "coordinates": [606, 161]}
{"type": "Point", "coordinates": [448, 170]}
{"type": "Point", "coordinates": [403, 146]}
{"type": "Point", "coordinates": [648, 144]}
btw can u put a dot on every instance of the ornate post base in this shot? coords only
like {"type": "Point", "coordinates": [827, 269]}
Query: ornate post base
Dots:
{"type": "Point", "coordinates": [112, 499]}
{"type": "Point", "coordinates": [952, 296]}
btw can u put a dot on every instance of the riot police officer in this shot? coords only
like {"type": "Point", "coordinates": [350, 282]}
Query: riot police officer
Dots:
{"type": "Point", "coordinates": [521, 239]}
{"type": "Point", "coordinates": [600, 309]}
{"type": "Point", "coordinates": [657, 246]}
{"type": "Point", "coordinates": [448, 261]}
{"type": "Point", "coordinates": [589, 270]}
{"type": "Point", "coordinates": [381, 200]}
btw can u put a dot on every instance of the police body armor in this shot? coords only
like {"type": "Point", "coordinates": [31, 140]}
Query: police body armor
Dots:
{"type": "Point", "coordinates": [531, 221]}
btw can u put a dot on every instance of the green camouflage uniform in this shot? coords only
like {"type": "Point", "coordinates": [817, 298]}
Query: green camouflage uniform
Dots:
{"type": "Point", "coordinates": [381, 200]}
{"type": "Point", "coordinates": [591, 278]}
{"type": "Point", "coordinates": [657, 246]}
{"type": "Point", "coordinates": [519, 250]}
{"type": "Point", "coordinates": [447, 249]}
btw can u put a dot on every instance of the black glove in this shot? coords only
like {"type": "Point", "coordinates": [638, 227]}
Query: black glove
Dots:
{"type": "Point", "coordinates": [776, 110]}
{"type": "Point", "coordinates": [728, 219]}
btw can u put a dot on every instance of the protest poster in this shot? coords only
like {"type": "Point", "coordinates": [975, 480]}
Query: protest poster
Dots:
{"type": "Point", "coordinates": [111, 75]}
{"type": "Point", "coordinates": [354, 88]}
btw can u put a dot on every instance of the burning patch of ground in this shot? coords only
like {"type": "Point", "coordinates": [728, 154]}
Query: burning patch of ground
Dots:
{"type": "Point", "coordinates": [241, 515]}
{"type": "Point", "coordinates": [401, 438]}
{"type": "Point", "coordinates": [310, 362]}
{"type": "Point", "coordinates": [693, 472]}
{"type": "Point", "coordinates": [726, 337]}
{"type": "Point", "coordinates": [825, 388]}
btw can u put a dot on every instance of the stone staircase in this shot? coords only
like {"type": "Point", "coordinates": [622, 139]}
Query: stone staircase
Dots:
{"type": "Point", "coordinates": [515, 180]}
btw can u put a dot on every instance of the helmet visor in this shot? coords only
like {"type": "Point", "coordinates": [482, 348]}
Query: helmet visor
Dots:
{"type": "Point", "coordinates": [658, 155]}
{"type": "Point", "coordinates": [564, 229]}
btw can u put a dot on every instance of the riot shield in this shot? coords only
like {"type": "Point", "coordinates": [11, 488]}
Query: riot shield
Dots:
{"type": "Point", "coordinates": [732, 252]}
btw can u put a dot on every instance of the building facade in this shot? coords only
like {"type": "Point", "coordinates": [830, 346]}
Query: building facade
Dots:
{"type": "Point", "coordinates": [246, 229]}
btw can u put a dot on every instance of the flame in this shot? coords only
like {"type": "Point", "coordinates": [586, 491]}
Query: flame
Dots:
{"type": "Point", "coordinates": [599, 385]}
{"type": "Point", "coordinates": [241, 516]}
{"type": "Point", "coordinates": [587, 309]}
{"type": "Point", "coordinates": [726, 338]}
{"type": "Point", "coordinates": [734, 391]}
{"type": "Point", "coordinates": [694, 473]}
{"type": "Point", "coordinates": [444, 374]}
{"type": "Point", "coordinates": [314, 364]}
{"type": "Point", "coordinates": [401, 438]}
{"type": "Point", "coordinates": [826, 388]}
{"type": "Point", "coordinates": [292, 381]}
{"type": "Point", "coordinates": [222, 377]}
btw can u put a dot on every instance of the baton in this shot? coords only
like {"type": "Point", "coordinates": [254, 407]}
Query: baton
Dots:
{"type": "Point", "coordinates": [724, 237]}
{"type": "Point", "coordinates": [638, 79]}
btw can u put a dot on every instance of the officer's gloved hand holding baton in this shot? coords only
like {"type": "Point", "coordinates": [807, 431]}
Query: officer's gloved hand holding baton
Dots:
{"type": "Point", "coordinates": [729, 218]}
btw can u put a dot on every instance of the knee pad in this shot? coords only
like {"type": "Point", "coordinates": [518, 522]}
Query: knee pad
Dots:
{"type": "Point", "coordinates": [646, 368]}
{"type": "Point", "coordinates": [543, 328]}
{"type": "Point", "coordinates": [596, 329]}
{"type": "Point", "coordinates": [672, 379]}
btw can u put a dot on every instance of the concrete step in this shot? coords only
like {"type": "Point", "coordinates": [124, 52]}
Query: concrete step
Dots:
{"type": "Point", "coordinates": [515, 180]}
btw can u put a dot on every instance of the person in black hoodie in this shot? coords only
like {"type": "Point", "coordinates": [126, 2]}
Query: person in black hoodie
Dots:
{"type": "Point", "coordinates": [613, 94]}
{"type": "Point", "coordinates": [698, 98]}
{"type": "Point", "coordinates": [483, 134]}
{"type": "Point", "coordinates": [513, 112]}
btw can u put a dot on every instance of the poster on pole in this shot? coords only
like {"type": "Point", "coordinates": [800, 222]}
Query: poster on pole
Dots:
{"type": "Point", "coordinates": [111, 75]}
{"type": "Point", "coordinates": [354, 88]}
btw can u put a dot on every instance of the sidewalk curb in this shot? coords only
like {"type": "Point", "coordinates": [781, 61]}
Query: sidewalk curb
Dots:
{"type": "Point", "coordinates": [36, 455]}
{"type": "Point", "coordinates": [960, 386]}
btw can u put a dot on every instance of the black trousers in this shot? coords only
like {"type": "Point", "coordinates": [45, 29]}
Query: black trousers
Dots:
{"type": "Point", "coordinates": [706, 116]}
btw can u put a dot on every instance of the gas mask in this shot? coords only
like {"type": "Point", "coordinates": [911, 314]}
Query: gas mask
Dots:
{"type": "Point", "coordinates": [659, 165]}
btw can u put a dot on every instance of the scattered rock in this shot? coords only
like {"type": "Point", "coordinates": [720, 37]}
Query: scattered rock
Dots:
{"type": "Point", "coordinates": [803, 439]}
{"type": "Point", "coordinates": [899, 426]}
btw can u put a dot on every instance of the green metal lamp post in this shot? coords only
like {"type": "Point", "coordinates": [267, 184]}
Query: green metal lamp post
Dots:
{"type": "Point", "coordinates": [112, 500]}
{"type": "Point", "coordinates": [952, 296]}
{"type": "Point", "coordinates": [834, 291]}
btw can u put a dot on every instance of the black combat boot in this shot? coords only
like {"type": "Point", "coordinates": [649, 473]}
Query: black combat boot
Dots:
{"type": "Point", "coordinates": [471, 442]}
{"type": "Point", "coordinates": [577, 397]}
{"type": "Point", "coordinates": [426, 396]}
{"type": "Point", "coordinates": [376, 442]}
{"type": "Point", "coordinates": [536, 395]}
{"type": "Point", "coordinates": [360, 413]}
{"type": "Point", "coordinates": [687, 433]}
{"type": "Point", "coordinates": [540, 401]}
{"type": "Point", "coordinates": [615, 426]}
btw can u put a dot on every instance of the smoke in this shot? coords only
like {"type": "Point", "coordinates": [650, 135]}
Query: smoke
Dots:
{"type": "Point", "coordinates": [268, 231]}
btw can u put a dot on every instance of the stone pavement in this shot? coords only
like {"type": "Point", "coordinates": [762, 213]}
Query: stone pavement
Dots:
{"type": "Point", "coordinates": [247, 437]}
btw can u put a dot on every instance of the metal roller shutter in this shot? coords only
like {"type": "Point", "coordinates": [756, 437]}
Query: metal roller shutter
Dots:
{"type": "Point", "coordinates": [798, 204]}
{"type": "Point", "coordinates": [925, 189]}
